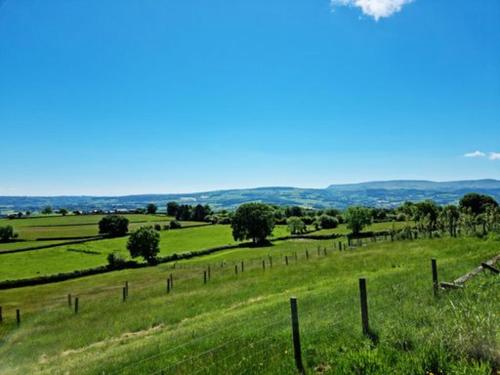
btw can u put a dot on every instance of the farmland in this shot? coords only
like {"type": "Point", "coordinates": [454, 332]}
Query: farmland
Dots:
{"type": "Point", "coordinates": [237, 323]}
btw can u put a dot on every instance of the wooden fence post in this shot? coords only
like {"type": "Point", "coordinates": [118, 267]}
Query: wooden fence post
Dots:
{"type": "Point", "coordinates": [270, 261]}
{"type": "Point", "coordinates": [209, 273]}
{"type": "Point", "coordinates": [307, 254]}
{"type": "Point", "coordinates": [296, 256]}
{"type": "Point", "coordinates": [76, 305]}
{"type": "Point", "coordinates": [168, 286]}
{"type": "Point", "coordinates": [204, 277]}
{"type": "Point", "coordinates": [364, 306]}
{"type": "Point", "coordinates": [319, 251]}
{"type": "Point", "coordinates": [435, 282]}
{"type": "Point", "coordinates": [236, 269]}
{"type": "Point", "coordinates": [264, 265]}
{"type": "Point", "coordinates": [286, 259]}
{"type": "Point", "coordinates": [69, 300]}
{"type": "Point", "coordinates": [1, 316]}
{"type": "Point", "coordinates": [242, 266]}
{"type": "Point", "coordinates": [296, 335]}
{"type": "Point", "coordinates": [18, 317]}
{"type": "Point", "coordinates": [340, 245]}
{"type": "Point", "coordinates": [124, 294]}
{"type": "Point", "coordinates": [324, 251]}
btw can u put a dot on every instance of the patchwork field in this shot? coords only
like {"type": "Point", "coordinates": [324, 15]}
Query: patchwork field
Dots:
{"type": "Point", "coordinates": [240, 323]}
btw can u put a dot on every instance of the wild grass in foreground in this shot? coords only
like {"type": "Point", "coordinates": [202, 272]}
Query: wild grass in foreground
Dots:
{"type": "Point", "coordinates": [240, 323]}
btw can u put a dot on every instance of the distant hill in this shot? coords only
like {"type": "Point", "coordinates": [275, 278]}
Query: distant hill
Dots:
{"type": "Point", "coordinates": [375, 194]}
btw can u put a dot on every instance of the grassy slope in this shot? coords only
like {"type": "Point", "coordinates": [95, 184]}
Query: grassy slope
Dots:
{"type": "Point", "coordinates": [65, 259]}
{"type": "Point", "coordinates": [238, 323]}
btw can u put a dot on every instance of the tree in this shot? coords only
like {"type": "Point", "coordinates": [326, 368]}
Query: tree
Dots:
{"type": "Point", "coordinates": [357, 218]}
{"type": "Point", "coordinates": [172, 208]}
{"type": "Point", "coordinates": [253, 221]}
{"type": "Point", "coordinates": [144, 242]}
{"type": "Point", "coordinates": [294, 211]}
{"type": "Point", "coordinates": [113, 225]}
{"type": "Point", "coordinates": [426, 215]}
{"type": "Point", "coordinates": [63, 211]}
{"type": "Point", "coordinates": [327, 222]}
{"type": "Point", "coordinates": [200, 212]}
{"type": "Point", "coordinates": [7, 233]}
{"type": "Point", "coordinates": [151, 208]}
{"type": "Point", "coordinates": [174, 224]}
{"type": "Point", "coordinates": [296, 225]}
{"type": "Point", "coordinates": [449, 217]}
{"type": "Point", "coordinates": [477, 203]}
{"type": "Point", "coordinates": [183, 212]}
{"type": "Point", "coordinates": [47, 210]}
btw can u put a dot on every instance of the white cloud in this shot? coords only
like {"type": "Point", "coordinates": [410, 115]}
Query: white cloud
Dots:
{"type": "Point", "coordinates": [494, 156]}
{"type": "Point", "coordinates": [475, 154]}
{"type": "Point", "coordinates": [374, 8]}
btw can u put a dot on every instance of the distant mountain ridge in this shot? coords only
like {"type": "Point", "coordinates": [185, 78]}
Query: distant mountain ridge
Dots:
{"type": "Point", "coordinates": [374, 194]}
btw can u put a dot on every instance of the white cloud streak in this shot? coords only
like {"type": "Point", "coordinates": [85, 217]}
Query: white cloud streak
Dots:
{"type": "Point", "coordinates": [475, 154]}
{"type": "Point", "coordinates": [374, 8]}
{"type": "Point", "coordinates": [494, 156]}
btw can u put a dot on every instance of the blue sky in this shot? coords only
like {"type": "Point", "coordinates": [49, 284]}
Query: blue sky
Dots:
{"type": "Point", "coordinates": [123, 97]}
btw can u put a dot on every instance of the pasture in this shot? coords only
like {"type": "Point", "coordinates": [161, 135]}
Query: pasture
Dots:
{"type": "Point", "coordinates": [239, 323]}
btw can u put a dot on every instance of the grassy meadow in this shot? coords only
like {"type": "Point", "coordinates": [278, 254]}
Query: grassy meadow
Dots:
{"type": "Point", "coordinates": [240, 323]}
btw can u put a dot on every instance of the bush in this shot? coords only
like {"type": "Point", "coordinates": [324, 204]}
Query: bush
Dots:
{"type": "Point", "coordinates": [157, 227]}
{"type": "Point", "coordinates": [328, 222]}
{"type": "Point", "coordinates": [7, 233]}
{"type": "Point", "coordinates": [113, 225]}
{"type": "Point", "coordinates": [296, 225]}
{"type": "Point", "coordinates": [115, 260]}
{"type": "Point", "coordinates": [174, 224]}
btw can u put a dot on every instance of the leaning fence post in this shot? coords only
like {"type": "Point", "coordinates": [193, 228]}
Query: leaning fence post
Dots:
{"type": "Point", "coordinates": [435, 281]}
{"type": "Point", "coordinates": [296, 335]}
{"type": "Point", "coordinates": [76, 305]}
{"type": "Point", "coordinates": [18, 317]}
{"type": "Point", "coordinates": [364, 306]}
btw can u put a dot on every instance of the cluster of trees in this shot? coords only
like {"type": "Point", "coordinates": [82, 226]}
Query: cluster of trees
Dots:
{"type": "Point", "coordinates": [113, 226]}
{"type": "Point", "coordinates": [187, 212]}
{"type": "Point", "coordinates": [475, 214]}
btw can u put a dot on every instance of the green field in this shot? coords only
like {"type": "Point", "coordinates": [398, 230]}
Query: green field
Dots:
{"type": "Point", "coordinates": [73, 226]}
{"type": "Point", "coordinates": [241, 324]}
{"type": "Point", "coordinates": [93, 253]}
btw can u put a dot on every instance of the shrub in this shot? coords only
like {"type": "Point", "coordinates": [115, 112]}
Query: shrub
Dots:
{"type": "Point", "coordinates": [296, 225]}
{"type": "Point", "coordinates": [157, 227]}
{"type": "Point", "coordinates": [115, 260]}
{"type": "Point", "coordinates": [328, 222]}
{"type": "Point", "coordinates": [174, 224]}
{"type": "Point", "coordinates": [7, 233]}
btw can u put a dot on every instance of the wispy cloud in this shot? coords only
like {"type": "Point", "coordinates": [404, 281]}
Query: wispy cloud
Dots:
{"type": "Point", "coordinates": [494, 156]}
{"type": "Point", "coordinates": [374, 8]}
{"type": "Point", "coordinates": [475, 154]}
